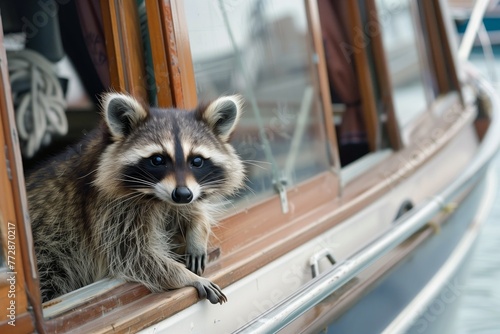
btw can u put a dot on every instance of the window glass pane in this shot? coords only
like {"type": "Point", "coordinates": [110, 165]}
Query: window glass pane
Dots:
{"type": "Point", "coordinates": [261, 49]}
{"type": "Point", "coordinates": [405, 66]}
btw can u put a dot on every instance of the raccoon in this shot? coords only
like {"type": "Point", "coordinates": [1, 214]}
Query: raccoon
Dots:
{"type": "Point", "coordinates": [114, 205]}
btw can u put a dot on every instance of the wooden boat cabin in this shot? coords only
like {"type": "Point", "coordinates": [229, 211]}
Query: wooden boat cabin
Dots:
{"type": "Point", "coordinates": [366, 143]}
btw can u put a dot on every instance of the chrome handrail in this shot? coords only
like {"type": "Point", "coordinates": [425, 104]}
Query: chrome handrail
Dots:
{"type": "Point", "coordinates": [321, 287]}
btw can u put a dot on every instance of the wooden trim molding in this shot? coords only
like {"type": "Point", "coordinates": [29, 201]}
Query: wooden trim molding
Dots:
{"type": "Point", "coordinates": [435, 41]}
{"type": "Point", "coordinates": [384, 78]}
{"type": "Point", "coordinates": [450, 54]}
{"type": "Point", "coordinates": [363, 72]}
{"type": "Point", "coordinates": [159, 55]}
{"type": "Point", "coordinates": [124, 47]}
{"type": "Point", "coordinates": [175, 41]}
{"type": "Point", "coordinates": [15, 227]}
{"type": "Point", "coordinates": [324, 85]}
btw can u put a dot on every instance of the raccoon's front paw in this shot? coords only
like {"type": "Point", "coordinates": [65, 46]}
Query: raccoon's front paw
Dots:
{"type": "Point", "coordinates": [211, 291]}
{"type": "Point", "coordinates": [196, 262]}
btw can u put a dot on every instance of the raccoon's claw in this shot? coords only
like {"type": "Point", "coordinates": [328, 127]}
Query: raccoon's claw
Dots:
{"type": "Point", "coordinates": [196, 263]}
{"type": "Point", "coordinates": [210, 291]}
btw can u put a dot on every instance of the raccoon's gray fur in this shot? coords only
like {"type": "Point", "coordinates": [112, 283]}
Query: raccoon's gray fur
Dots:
{"type": "Point", "coordinates": [112, 205]}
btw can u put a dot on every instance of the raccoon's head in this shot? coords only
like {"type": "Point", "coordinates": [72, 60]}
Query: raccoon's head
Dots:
{"type": "Point", "coordinates": [176, 156]}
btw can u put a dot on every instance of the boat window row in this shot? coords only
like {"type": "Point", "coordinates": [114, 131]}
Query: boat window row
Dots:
{"type": "Point", "coordinates": [330, 87]}
{"type": "Point", "coordinates": [380, 79]}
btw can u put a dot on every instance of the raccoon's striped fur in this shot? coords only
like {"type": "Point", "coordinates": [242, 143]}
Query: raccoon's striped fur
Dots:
{"type": "Point", "coordinates": [114, 204]}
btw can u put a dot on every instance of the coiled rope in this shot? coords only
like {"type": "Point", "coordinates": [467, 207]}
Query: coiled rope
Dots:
{"type": "Point", "coordinates": [40, 110]}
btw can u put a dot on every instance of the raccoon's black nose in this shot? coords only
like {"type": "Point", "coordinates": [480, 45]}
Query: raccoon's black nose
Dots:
{"type": "Point", "coordinates": [182, 195]}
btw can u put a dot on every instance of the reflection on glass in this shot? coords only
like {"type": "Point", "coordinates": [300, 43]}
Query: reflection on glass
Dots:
{"type": "Point", "coordinates": [400, 43]}
{"type": "Point", "coordinates": [260, 49]}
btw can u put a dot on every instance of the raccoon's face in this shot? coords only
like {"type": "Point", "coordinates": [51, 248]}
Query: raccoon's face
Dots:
{"type": "Point", "coordinates": [177, 156]}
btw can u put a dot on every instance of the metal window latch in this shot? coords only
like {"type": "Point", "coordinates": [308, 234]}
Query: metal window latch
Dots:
{"type": "Point", "coordinates": [280, 187]}
{"type": "Point", "coordinates": [314, 260]}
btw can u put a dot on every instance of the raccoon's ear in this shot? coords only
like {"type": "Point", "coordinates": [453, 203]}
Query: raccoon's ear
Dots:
{"type": "Point", "coordinates": [222, 115]}
{"type": "Point", "coordinates": [122, 113]}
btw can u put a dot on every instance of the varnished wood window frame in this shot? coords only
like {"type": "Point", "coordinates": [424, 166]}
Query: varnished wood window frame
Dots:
{"type": "Point", "coordinates": [14, 217]}
{"type": "Point", "coordinates": [383, 78]}
{"type": "Point", "coordinates": [123, 46]}
{"type": "Point", "coordinates": [246, 252]}
{"type": "Point", "coordinates": [441, 59]}
{"type": "Point", "coordinates": [363, 72]}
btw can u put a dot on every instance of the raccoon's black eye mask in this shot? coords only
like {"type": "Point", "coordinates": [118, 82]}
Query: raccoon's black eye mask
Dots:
{"type": "Point", "coordinates": [159, 160]}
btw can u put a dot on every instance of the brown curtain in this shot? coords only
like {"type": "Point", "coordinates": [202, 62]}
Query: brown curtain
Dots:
{"type": "Point", "coordinates": [89, 13]}
{"type": "Point", "coordinates": [341, 71]}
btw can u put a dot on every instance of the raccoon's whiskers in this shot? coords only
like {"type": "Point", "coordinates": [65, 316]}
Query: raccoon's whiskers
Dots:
{"type": "Point", "coordinates": [205, 177]}
{"type": "Point", "coordinates": [137, 180]}
{"type": "Point", "coordinates": [146, 173]}
{"type": "Point", "coordinates": [212, 183]}
{"type": "Point", "coordinates": [246, 186]}
{"type": "Point", "coordinates": [256, 163]}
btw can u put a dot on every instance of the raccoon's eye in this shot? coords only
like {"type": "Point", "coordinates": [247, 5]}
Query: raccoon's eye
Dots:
{"type": "Point", "coordinates": [197, 162]}
{"type": "Point", "coordinates": [157, 160]}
